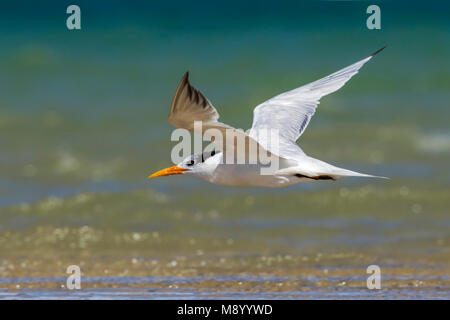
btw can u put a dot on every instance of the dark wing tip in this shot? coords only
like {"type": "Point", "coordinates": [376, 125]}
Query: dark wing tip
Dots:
{"type": "Point", "coordinates": [378, 51]}
{"type": "Point", "coordinates": [183, 83]}
{"type": "Point", "coordinates": [185, 79]}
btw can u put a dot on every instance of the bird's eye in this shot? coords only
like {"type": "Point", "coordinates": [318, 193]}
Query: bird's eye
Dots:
{"type": "Point", "coordinates": [190, 163]}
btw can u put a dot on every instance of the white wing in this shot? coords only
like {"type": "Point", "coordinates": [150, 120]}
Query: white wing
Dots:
{"type": "Point", "coordinates": [290, 112]}
{"type": "Point", "coordinates": [190, 105]}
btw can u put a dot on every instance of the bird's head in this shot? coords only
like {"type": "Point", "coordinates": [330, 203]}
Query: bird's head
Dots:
{"type": "Point", "coordinates": [196, 164]}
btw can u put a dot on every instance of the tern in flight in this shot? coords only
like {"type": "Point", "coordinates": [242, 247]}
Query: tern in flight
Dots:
{"type": "Point", "coordinates": [289, 113]}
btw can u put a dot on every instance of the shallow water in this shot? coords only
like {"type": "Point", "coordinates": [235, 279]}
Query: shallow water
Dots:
{"type": "Point", "coordinates": [83, 123]}
{"type": "Point", "coordinates": [117, 288]}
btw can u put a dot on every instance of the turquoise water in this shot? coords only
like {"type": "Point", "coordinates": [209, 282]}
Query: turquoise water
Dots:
{"type": "Point", "coordinates": [83, 122]}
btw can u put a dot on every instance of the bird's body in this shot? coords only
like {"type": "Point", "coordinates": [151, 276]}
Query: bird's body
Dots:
{"type": "Point", "coordinates": [288, 114]}
{"type": "Point", "coordinates": [242, 175]}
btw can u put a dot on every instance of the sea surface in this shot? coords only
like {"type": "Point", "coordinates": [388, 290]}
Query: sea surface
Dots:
{"type": "Point", "coordinates": [83, 123]}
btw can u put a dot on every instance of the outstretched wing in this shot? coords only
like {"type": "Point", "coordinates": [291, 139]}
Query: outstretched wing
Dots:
{"type": "Point", "coordinates": [190, 105]}
{"type": "Point", "coordinates": [290, 112]}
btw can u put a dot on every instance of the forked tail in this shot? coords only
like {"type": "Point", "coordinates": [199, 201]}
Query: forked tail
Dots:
{"type": "Point", "coordinates": [340, 172]}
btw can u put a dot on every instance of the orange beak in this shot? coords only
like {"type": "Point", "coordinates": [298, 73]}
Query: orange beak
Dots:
{"type": "Point", "coordinates": [168, 172]}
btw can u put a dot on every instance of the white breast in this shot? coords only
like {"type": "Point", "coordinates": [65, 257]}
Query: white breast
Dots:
{"type": "Point", "coordinates": [243, 175]}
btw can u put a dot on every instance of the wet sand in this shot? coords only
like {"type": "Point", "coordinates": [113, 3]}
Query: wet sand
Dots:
{"type": "Point", "coordinates": [278, 277]}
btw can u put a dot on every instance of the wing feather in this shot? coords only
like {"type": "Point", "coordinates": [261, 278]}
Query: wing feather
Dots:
{"type": "Point", "coordinates": [189, 105]}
